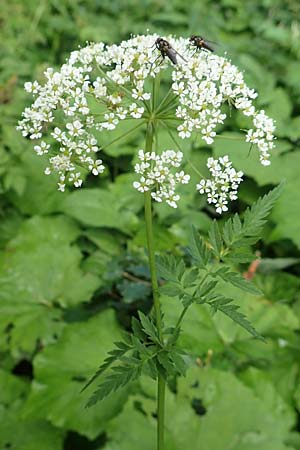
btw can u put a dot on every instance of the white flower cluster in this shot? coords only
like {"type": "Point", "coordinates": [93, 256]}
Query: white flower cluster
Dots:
{"type": "Point", "coordinates": [157, 175]}
{"type": "Point", "coordinates": [262, 136]}
{"type": "Point", "coordinates": [94, 90]}
{"type": "Point", "coordinates": [224, 183]}
{"type": "Point", "coordinates": [203, 85]}
{"type": "Point", "coordinates": [99, 86]}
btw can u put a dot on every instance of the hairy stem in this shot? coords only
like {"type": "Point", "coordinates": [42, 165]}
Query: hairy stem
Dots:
{"type": "Point", "coordinates": [156, 303]}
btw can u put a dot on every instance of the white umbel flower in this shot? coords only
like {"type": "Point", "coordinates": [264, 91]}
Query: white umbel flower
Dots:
{"type": "Point", "coordinates": [158, 175]}
{"type": "Point", "coordinates": [223, 185]}
{"type": "Point", "coordinates": [99, 86]}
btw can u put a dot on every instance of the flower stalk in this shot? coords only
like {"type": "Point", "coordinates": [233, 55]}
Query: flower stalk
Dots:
{"type": "Point", "coordinates": [161, 385]}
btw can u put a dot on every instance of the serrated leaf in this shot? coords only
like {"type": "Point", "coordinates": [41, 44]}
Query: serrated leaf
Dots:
{"type": "Point", "coordinates": [239, 256]}
{"type": "Point", "coordinates": [255, 217]}
{"type": "Point", "coordinates": [113, 356]}
{"type": "Point", "coordinates": [198, 249]}
{"type": "Point", "coordinates": [237, 280]}
{"type": "Point", "coordinates": [119, 378]}
{"type": "Point", "coordinates": [231, 310]}
{"type": "Point", "coordinates": [151, 369]}
{"type": "Point", "coordinates": [179, 362]}
{"type": "Point", "coordinates": [170, 268]}
{"type": "Point", "coordinates": [206, 288]}
{"type": "Point", "coordinates": [189, 277]}
{"type": "Point", "coordinates": [237, 234]}
{"type": "Point", "coordinates": [167, 364]}
{"type": "Point", "coordinates": [215, 238]}
{"type": "Point", "coordinates": [172, 290]}
{"type": "Point", "coordinates": [137, 329]}
{"type": "Point", "coordinates": [148, 327]}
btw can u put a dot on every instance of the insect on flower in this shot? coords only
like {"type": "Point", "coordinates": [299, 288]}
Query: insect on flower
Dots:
{"type": "Point", "coordinates": [166, 49]}
{"type": "Point", "coordinates": [201, 43]}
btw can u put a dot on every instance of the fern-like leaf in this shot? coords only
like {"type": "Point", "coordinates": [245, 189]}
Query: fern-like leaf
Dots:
{"type": "Point", "coordinates": [149, 328]}
{"type": "Point", "coordinates": [170, 268]}
{"type": "Point", "coordinates": [236, 233]}
{"type": "Point", "coordinates": [236, 280]}
{"type": "Point", "coordinates": [113, 356]}
{"type": "Point", "coordinates": [227, 307]}
{"type": "Point", "coordinates": [119, 377]}
{"type": "Point", "coordinates": [198, 249]}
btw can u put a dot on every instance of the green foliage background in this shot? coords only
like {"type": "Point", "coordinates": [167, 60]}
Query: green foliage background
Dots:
{"type": "Point", "coordinates": [73, 268]}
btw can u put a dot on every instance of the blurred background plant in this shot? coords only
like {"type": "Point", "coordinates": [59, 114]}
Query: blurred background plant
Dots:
{"type": "Point", "coordinates": [73, 270]}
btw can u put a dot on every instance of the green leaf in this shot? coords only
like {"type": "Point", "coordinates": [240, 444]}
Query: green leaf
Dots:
{"type": "Point", "coordinates": [236, 417]}
{"type": "Point", "coordinates": [62, 369]}
{"type": "Point", "coordinates": [198, 331]}
{"type": "Point", "coordinates": [226, 306]}
{"type": "Point", "coordinates": [135, 426]}
{"type": "Point", "coordinates": [149, 328]}
{"type": "Point", "coordinates": [172, 290]}
{"type": "Point", "coordinates": [286, 214]}
{"type": "Point", "coordinates": [166, 362]}
{"type": "Point", "coordinates": [170, 268]}
{"type": "Point", "coordinates": [17, 432]}
{"type": "Point", "coordinates": [215, 238]}
{"type": "Point", "coordinates": [198, 249]}
{"type": "Point", "coordinates": [113, 356]}
{"type": "Point", "coordinates": [237, 234]}
{"type": "Point", "coordinates": [189, 277]}
{"type": "Point", "coordinates": [39, 194]}
{"type": "Point", "coordinates": [119, 377]}
{"type": "Point", "coordinates": [99, 208]}
{"type": "Point", "coordinates": [236, 280]}
{"type": "Point", "coordinates": [137, 329]}
{"type": "Point", "coordinates": [40, 274]}
{"type": "Point", "coordinates": [176, 356]}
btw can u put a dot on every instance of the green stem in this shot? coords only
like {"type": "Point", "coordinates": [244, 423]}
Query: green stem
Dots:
{"type": "Point", "coordinates": [123, 135]}
{"type": "Point", "coordinates": [159, 107]}
{"type": "Point", "coordinates": [161, 385]}
{"type": "Point", "coordinates": [184, 311]}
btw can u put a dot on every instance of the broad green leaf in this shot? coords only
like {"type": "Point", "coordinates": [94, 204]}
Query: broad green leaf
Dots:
{"type": "Point", "coordinates": [286, 214]}
{"type": "Point", "coordinates": [283, 166]}
{"type": "Point", "coordinates": [99, 208]}
{"type": "Point", "coordinates": [263, 385]}
{"type": "Point", "coordinates": [58, 230]}
{"type": "Point", "coordinates": [62, 369]}
{"type": "Point", "coordinates": [40, 271]}
{"type": "Point", "coordinates": [17, 432]}
{"type": "Point", "coordinates": [237, 417]}
{"type": "Point", "coordinates": [40, 194]}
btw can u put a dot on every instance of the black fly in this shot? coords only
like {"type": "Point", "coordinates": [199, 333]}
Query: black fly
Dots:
{"type": "Point", "coordinates": [200, 42]}
{"type": "Point", "coordinates": [166, 49]}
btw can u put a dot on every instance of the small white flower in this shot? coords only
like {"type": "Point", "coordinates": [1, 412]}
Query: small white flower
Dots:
{"type": "Point", "coordinates": [185, 130]}
{"type": "Point", "coordinates": [157, 174]}
{"type": "Point", "coordinates": [224, 183]}
{"type": "Point", "coordinates": [42, 149]}
{"type": "Point", "coordinates": [97, 167]}
{"type": "Point", "coordinates": [136, 111]}
{"type": "Point", "coordinates": [75, 128]}
{"type": "Point", "coordinates": [111, 121]}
